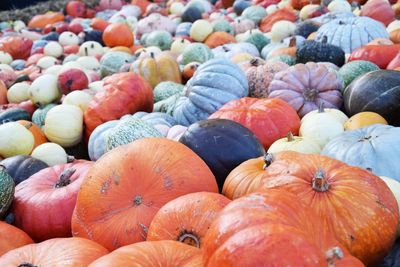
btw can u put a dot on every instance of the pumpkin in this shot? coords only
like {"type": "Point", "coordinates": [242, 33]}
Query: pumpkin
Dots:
{"type": "Point", "coordinates": [222, 25]}
{"type": "Point", "coordinates": [260, 74]}
{"type": "Point", "coordinates": [376, 91]}
{"type": "Point", "coordinates": [155, 22]}
{"type": "Point", "coordinates": [309, 85]}
{"type": "Point", "coordinates": [22, 167]}
{"type": "Point", "coordinates": [179, 45]}
{"type": "Point", "coordinates": [161, 39]}
{"type": "Point", "coordinates": [18, 47]}
{"type": "Point", "coordinates": [64, 252]}
{"type": "Point", "coordinates": [186, 218]}
{"type": "Point", "coordinates": [166, 89]}
{"type": "Point", "coordinates": [91, 48]}
{"type": "Point", "coordinates": [7, 187]}
{"type": "Point", "coordinates": [306, 28]}
{"type": "Point", "coordinates": [282, 29]}
{"type": "Point", "coordinates": [333, 112]}
{"type": "Point", "coordinates": [44, 90]}
{"type": "Point", "coordinates": [200, 30]}
{"type": "Point", "coordinates": [379, 10]}
{"type": "Point", "coordinates": [295, 143]}
{"type": "Point", "coordinates": [39, 115]}
{"type": "Point", "coordinates": [289, 50]}
{"type": "Point", "coordinates": [17, 93]}
{"type": "Point", "coordinates": [254, 13]}
{"type": "Point", "coordinates": [51, 154]}
{"type": "Point", "coordinates": [377, 54]}
{"type": "Point", "coordinates": [268, 22]}
{"type": "Point", "coordinates": [118, 34]}
{"type": "Point", "coordinates": [13, 238]}
{"type": "Point", "coordinates": [269, 119]}
{"type": "Point", "coordinates": [71, 80]}
{"type": "Point", "coordinates": [37, 133]}
{"type": "Point", "coordinates": [4, 94]}
{"type": "Point", "coordinates": [156, 253]}
{"type": "Point", "coordinates": [191, 14]}
{"type": "Point", "coordinates": [369, 218]}
{"type": "Point", "coordinates": [15, 140]}
{"type": "Point", "coordinates": [214, 83]}
{"type": "Point", "coordinates": [394, 186]}
{"type": "Point", "coordinates": [243, 25]}
{"type": "Point", "coordinates": [228, 51]}
{"type": "Point", "coordinates": [363, 119]}
{"type": "Point", "coordinates": [124, 93]}
{"type": "Point", "coordinates": [256, 38]}
{"type": "Point", "coordinates": [353, 69]}
{"type": "Point", "coordinates": [320, 52]}
{"type": "Point", "coordinates": [13, 114]}
{"type": "Point", "coordinates": [286, 231]}
{"type": "Point", "coordinates": [363, 30]}
{"type": "Point", "coordinates": [40, 21]}
{"type": "Point", "coordinates": [59, 183]}
{"type": "Point", "coordinates": [364, 147]}
{"type": "Point", "coordinates": [196, 52]}
{"type": "Point", "coordinates": [79, 99]}
{"type": "Point", "coordinates": [222, 144]}
{"type": "Point", "coordinates": [219, 38]}
{"type": "Point", "coordinates": [135, 172]}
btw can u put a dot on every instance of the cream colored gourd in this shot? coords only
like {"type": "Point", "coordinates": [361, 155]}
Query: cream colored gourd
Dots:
{"type": "Point", "coordinates": [179, 45]}
{"type": "Point", "coordinates": [55, 70]}
{"type": "Point", "coordinates": [146, 52]}
{"type": "Point", "coordinates": [96, 86]}
{"type": "Point", "coordinates": [5, 58]}
{"type": "Point", "coordinates": [89, 63]}
{"type": "Point", "coordinates": [305, 11]}
{"type": "Point", "coordinates": [394, 25]}
{"type": "Point", "coordinates": [177, 8]}
{"type": "Point", "coordinates": [78, 98]}
{"type": "Point", "coordinates": [64, 125]}
{"type": "Point", "coordinates": [44, 90]}
{"type": "Point", "coordinates": [295, 143]}
{"type": "Point", "coordinates": [46, 62]}
{"type": "Point", "coordinates": [6, 67]}
{"type": "Point", "coordinates": [53, 49]}
{"type": "Point", "coordinates": [335, 113]}
{"type": "Point", "coordinates": [339, 6]}
{"type": "Point", "coordinates": [18, 92]}
{"type": "Point", "coordinates": [200, 30]}
{"type": "Point", "coordinates": [68, 38]}
{"type": "Point", "coordinates": [91, 48]}
{"type": "Point", "coordinates": [282, 29]}
{"type": "Point", "coordinates": [52, 154]}
{"type": "Point", "coordinates": [15, 140]}
{"type": "Point", "coordinates": [271, 9]}
{"type": "Point", "coordinates": [394, 186]}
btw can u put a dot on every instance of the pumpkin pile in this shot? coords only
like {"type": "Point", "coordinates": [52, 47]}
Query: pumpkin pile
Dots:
{"type": "Point", "coordinates": [201, 133]}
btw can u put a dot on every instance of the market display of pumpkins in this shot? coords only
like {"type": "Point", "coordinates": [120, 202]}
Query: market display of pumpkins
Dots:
{"type": "Point", "coordinates": [189, 133]}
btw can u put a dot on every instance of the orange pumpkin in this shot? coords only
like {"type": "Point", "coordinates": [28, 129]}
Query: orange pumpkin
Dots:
{"type": "Point", "coordinates": [118, 34]}
{"type": "Point", "coordinates": [99, 24]}
{"type": "Point", "coordinates": [128, 185]}
{"type": "Point", "coordinates": [278, 15]}
{"type": "Point", "coordinates": [12, 238]}
{"type": "Point", "coordinates": [186, 218]}
{"type": "Point", "coordinates": [189, 70]}
{"type": "Point", "coordinates": [157, 253]}
{"type": "Point", "coordinates": [351, 202]}
{"type": "Point", "coordinates": [299, 4]}
{"type": "Point", "coordinates": [219, 38]}
{"type": "Point", "coordinates": [363, 119]}
{"type": "Point", "coordinates": [71, 251]}
{"type": "Point", "coordinates": [3, 93]}
{"type": "Point", "coordinates": [38, 135]}
{"type": "Point", "coordinates": [18, 47]}
{"type": "Point", "coordinates": [290, 50]}
{"type": "Point", "coordinates": [40, 21]}
{"type": "Point", "coordinates": [395, 36]}
{"type": "Point", "coordinates": [142, 4]}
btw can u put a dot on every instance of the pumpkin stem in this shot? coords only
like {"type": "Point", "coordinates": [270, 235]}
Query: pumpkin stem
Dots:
{"type": "Point", "coordinates": [189, 238]}
{"type": "Point", "coordinates": [152, 54]}
{"type": "Point", "coordinates": [319, 182]}
{"type": "Point", "coordinates": [70, 159]}
{"type": "Point", "coordinates": [138, 200]}
{"type": "Point", "coordinates": [290, 137]}
{"type": "Point", "coordinates": [310, 94]}
{"type": "Point", "coordinates": [292, 42]}
{"type": "Point", "coordinates": [325, 38]}
{"type": "Point", "coordinates": [65, 178]}
{"type": "Point", "coordinates": [268, 160]}
{"type": "Point", "coordinates": [255, 62]}
{"type": "Point", "coordinates": [321, 108]}
{"type": "Point", "coordinates": [86, 51]}
{"type": "Point", "coordinates": [27, 265]}
{"type": "Point", "coordinates": [28, 125]}
{"type": "Point", "coordinates": [2, 167]}
{"type": "Point", "coordinates": [332, 255]}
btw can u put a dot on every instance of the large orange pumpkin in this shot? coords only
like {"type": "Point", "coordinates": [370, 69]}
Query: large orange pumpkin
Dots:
{"type": "Point", "coordinates": [71, 251]}
{"type": "Point", "coordinates": [351, 202]}
{"type": "Point", "coordinates": [142, 4]}
{"type": "Point", "coordinates": [12, 238]}
{"type": "Point", "coordinates": [118, 34]}
{"type": "Point", "coordinates": [124, 93]}
{"type": "Point", "coordinates": [3, 93]}
{"type": "Point", "coordinates": [40, 21]}
{"type": "Point", "coordinates": [268, 118]}
{"type": "Point", "coordinates": [219, 38]}
{"type": "Point", "coordinates": [128, 185]}
{"type": "Point", "coordinates": [38, 135]}
{"type": "Point", "coordinates": [157, 253]}
{"type": "Point", "coordinates": [272, 228]}
{"type": "Point", "coordinates": [186, 218]}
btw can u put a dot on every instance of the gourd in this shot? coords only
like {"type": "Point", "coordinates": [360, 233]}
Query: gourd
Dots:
{"type": "Point", "coordinates": [44, 90]}
{"type": "Point", "coordinates": [320, 52]}
{"type": "Point", "coordinates": [300, 144]}
{"type": "Point", "coordinates": [354, 69]}
{"type": "Point", "coordinates": [51, 154]}
{"type": "Point", "coordinates": [196, 52]}
{"type": "Point", "coordinates": [15, 140]}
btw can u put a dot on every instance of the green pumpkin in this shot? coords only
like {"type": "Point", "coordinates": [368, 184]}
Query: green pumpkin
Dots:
{"type": "Point", "coordinates": [283, 58]}
{"type": "Point", "coordinates": [256, 38]}
{"type": "Point", "coordinates": [129, 130]}
{"type": "Point", "coordinates": [222, 26]}
{"type": "Point", "coordinates": [161, 39]}
{"type": "Point", "coordinates": [39, 115]}
{"type": "Point", "coordinates": [7, 188]}
{"type": "Point", "coordinates": [111, 62]}
{"type": "Point", "coordinates": [254, 13]}
{"type": "Point", "coordinates": [167, 105]}
{"type": "Point", "coordinates": [14, 114]}
{"type": "Point", "coordinates": [320, 52]}
{"type": "Point", "coordinates": [196, 52]}
{"type": "Point", "coordinates": [166, 89]}
{"type": "Point", "coordinates": [356, 68]}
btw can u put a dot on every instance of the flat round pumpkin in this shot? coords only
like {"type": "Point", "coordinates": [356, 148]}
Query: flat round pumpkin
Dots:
{"type": "Point", "coordinates": [12, 238]}
{"type": "Point", "coordinates": [363, 119]}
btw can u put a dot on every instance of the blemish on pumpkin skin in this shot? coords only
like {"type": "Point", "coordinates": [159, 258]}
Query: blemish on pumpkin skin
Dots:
{"type": "Point", "coordinates": [352, 238]}
{"type": "Point", "coordinates": [104, 187]}
{"type": "Point", "coordinates": [168, 183]}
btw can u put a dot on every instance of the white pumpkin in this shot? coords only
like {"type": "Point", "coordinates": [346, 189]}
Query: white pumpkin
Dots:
{"type": "Point", "coordinates": [394, 186]}
{"type": "Point", "coordinates": [18, 92]}
{"type": "Point", "coordinates": [200, 30]}
{"type": "Point", "coordinates": [179, 45]}
{"type": "Point", "coordinates": [335, 113]}
{"type": "Point", "coordinates": [300, 144]}
{"type": "Point", "coordinates": [53, 49]}
{"type": "Point", "coordinates": [339, 6]}
{"type": "Point", "coordinates": [46, 62]}
{"type": "Point", "coordinates": [96, 86]}
{"type": "Point", "coordinates": [19, 25]}
{"type": "Point", "coordinates": [52, 154]}
{"type": "Point", "coordinates": [55, 70]}
{"type": "Point", "coordinates": [306, 10]}
{"type": "Point", "coordinates": [89, 63]}
{"type": "Point", "coordinates": [321, 127]}
{"type": "Point", "coordinates": [282, 29]}
{"type": "Point", "coordinates": [64, 125]}
{"type": "Point", "coordinates": [283, 3]}
{"type": "Point", "coordinates": [271, 9]}
{"type": "Point", "coordinates": [44, 90]}
{"type": "Point", "coordinates": [394, 25]}
{"type": "Point", "coordinates": [5, 58]}
{"type": "Point", "coordinates": [15, 140]}
{"type": "Point", "coordinates": [145, 52]}
{"type": "Point", "coordinates": [177, 8]}
{"type": "Point", "coordinates": [91, 48]}
{"type": "Point", "coordinates": [68, 38]}
{"type": "Point", "coordinates": [78, 98]}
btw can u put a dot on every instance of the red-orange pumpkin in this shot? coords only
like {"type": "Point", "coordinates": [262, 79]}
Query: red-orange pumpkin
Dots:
{"type": "Point", "coordinates": [219, 38]}
{"type": "Point", "coordinates": [38, 135]}
{"type": "Point", "coordinates": [142, 4]}
{"type": "Point", "coordinates": [44, 203]}
{"type": "Point", "coordinates": [378, 54]}
{"type": "Point", "coordinates": [278, 15]}
{"type": "Point", "coordinates": [128, 185]}
{"type": "Point", "coordinates": [186, 218]}
{"type": "Point", "coordinates": [55, 252]}
{"type": "Point", "coordinates": [272, 228]}
{"type": "Point", "coordinates": [299, 4]}
{"type": "Point", "coordinates": [124, 93]}
{"type": "Point", "coordinates": [351, 202]}
{"type": "Point", "coordinates": [156, 253]}
{"type": "Point", "coordinates": [18, 47]}
{"type": "Point", "coordinates": [395, 36]}
{"type": "Point", "coordinates": [269, 119]}
{"type": "Point", "coordinates": [40, 21]}
{"type": "Point", "coordinates": [99, 24]}
{"type": "Point", "coordinates": [12, 238]}
{"type": "Point", "coordinates": [118, 34]}
{"type": "Point", "coordinates": [3, 93]}
{"type": "Point", "coordinates": [379, 10]}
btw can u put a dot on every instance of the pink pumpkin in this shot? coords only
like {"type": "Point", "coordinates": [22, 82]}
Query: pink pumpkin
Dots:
{"type": "Point", "coordinates": [110, 4]}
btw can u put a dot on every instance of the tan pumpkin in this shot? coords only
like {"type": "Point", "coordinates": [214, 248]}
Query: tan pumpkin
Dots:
{"type": "Point", "coordinates": [363, 119]}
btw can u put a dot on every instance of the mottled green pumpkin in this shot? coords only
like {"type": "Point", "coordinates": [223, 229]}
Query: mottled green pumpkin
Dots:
{"type": "Point", "coordinates": [166, 89]}
{"type": "Point", "coordinates": [7, 187]}
{"type": "Point", "coordinates": [254, 13]}
{"type": "Point", "coordinates": [222, 26]}
{"type": "Point", "coordinates": [111, 62]}
{"type": "Point", "coordinates": [356, 68]}
{"type": "Point", "coordinates": [320, 52]}
{"type": "Point", "coordinates": [167, 105]}
{"type": "Point", "coordinates": [39, 115]}
{"type": "Point", "coordinates": [196, 52]}
{"type": "Point", "coordinates": [161, 39]}
{"type": "Point", "coordinates": [257, 38]}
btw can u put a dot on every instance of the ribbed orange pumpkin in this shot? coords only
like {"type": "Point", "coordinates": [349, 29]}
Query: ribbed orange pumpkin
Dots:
{"type": "Point", "coordinates": [118, 34]}
{"type": "Point", "coordinates": [269, 119]}
{"type": "Point", "coordinates": [351, 202]}
{"type": "Point", "coordinates": [40, 21]}
{"type": "Point", "coordinates": [219, 38]}
{"type": "Point", "coordinates": [186, 218]}
{"type": "Point", "coordinates": [12, 238]}
{"type": "Point", "coordinates": [38, 135]}
{"type": "Point", "coordinates": [128, 185]}
{"type": "Point", "coordinates": [379, 10]}
{"type": "Point", "coordinates": [157, 253]}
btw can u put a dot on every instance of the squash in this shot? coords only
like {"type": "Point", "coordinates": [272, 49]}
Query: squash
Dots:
{"type": "Point", "coordinates": [364, 147]}
{"type": "Point", "coordinates": [79, 99]}
{"type": "Point", "coordinates": [111, 62]}
{"type": "Point", "coordinates": [161, 39]}
{"type": "Point", "coordinates": [306, 28]}
{"type": "Point", "coordinates": [300, 144]}
{"type": "Point", "coordinates": [53, 49]}
{"type": "Point", "coordinates": [96, 144]}
{"type": "Point", "coordinates": [222, 144]}
{"type": "Point", "coordinates": [72, 79]}
{"type": "Point", "coordinates": [214, 83]}
{"type": "Point", "coordinates": [337, 114]}
{"type": "Point", "coordinates": [91, 49]}
{"type": "Point", "coordinates": [320, 52]}
{"type": "Point", "coordinates": [166, 89]}
{"type": "Point", "coordinates": [44, 90]}
{"type": "Point", "coordinates": [339, 6]}
{"type": "Point", "coordinates": [269, 119]}
{"type": "Point", "coordinates": [154, 22]}
{"type": "Point", "coordinates": [15, 140]}
{"type": "Point", "coordinates": [394, 186]}
{"type": "Point", "coordinates": [282, 29]}
{"type": "Point", "coordinates": [196, 52]}
{"type": "Point", "coordinates": [17, 93]}
{"type": "Point", "coordinates": [353, 69]}
{"type": "Point", "coordinates": [22, 167]}
{"type": "Point", "coordinates": [150, 172]}
{"type": "Point", "coordinates": [42, 20]}
{"type": "Point", "coordinates": [64, 252]}
{"type": "Point", "coordinates": [200, 30]}
{"type": "Point", "coordinates": [363, 119]}
{"type": "Point", "coordinates": [242, 25]}
{"type": "Point", "coordinates": [59, 183]}
{"type": "Point", "coordinates": [309, 85]}
{"type": "Point", "coordinates": [376, 91]}
{"type": "Point", "coordinates": [347, 203]}
{"type": "Point", "coordinates": [256, 38]}
{"type": "Point", "coordinates": [186, 218]}
{"type": "Point", "coordinates": [254, 13]}
{"type": "Point", "coordinates": [165, 253]}
{"type": "Point", "coordinates": [6, 191]}
{"type": "Point", "coordinates": [268, 22]}
{"type": "Point", "coordinates": [379, 10]}
{"type": "Point", "coordinates": [179, 45]}
{"type": "Point", "coordinates": [118, 34]}
{"type": "Point", "coordinates": [14, 114]}
{"type": "Point", "coordinates": [37, 133]}
{"type": "Point", "coordinates": [222, 25]}
{"type": "Point", "coordinates": [39, 115]}
{"type": "Point", "coordinates": [218, 38]}
{"type": "Point", "coordinates": [377, 54]}
{"type": "Point", "coordinates": [51, 154]}
{"type": "Point", "coordinates": [17, 46]}
{"type": "Point", "coordinates": [12, 238]}
{"type": "Point", "coordinates": [394, 63]}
